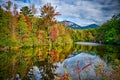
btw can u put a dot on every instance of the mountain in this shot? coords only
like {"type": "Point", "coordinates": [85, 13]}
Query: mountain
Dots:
{"type": "Point", "coordinates": [76, 26]}
{"type": "Point", "coordinates": [91, 26]}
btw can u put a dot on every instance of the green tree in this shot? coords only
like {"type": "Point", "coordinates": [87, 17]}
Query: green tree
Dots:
{"type": "Point", "coordinates": [22, 29]}
{"type": "Point", "coordinates": [26, 11]}
{"type": "Point", "coordinates": [5, 18]}
{"type": "Point", "coordinates": [109, 32]}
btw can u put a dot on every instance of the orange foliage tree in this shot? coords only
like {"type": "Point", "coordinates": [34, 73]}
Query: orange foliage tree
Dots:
{"type": "Point", "coordinates": [49, 22]}
{"type": "Point", "coordinates": [54, 33]}
{"type": "Point", "coordinates": [48, 13]}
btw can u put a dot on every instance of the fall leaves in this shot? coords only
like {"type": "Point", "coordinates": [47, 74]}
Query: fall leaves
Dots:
{"type": "Point", "coordinates": [54, 33]}
{"type": "Point", "coordinates": [25, 29]}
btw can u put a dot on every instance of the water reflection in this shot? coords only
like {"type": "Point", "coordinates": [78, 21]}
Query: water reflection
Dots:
{"type": "Point", "coordinates": [44, 70]}
{"type": "Point", "coordinates": [82, 66]}
{"type": "Point", "coordinates": [87, 43]}
{"type": "Point", "coordinates": [61, 62]}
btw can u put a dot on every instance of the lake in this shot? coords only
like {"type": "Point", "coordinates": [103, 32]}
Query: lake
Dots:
{"type": "Point", "coordinates": [78, 61]}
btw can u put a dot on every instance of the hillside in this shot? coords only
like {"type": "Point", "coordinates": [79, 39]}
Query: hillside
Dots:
{"type": "Point", "coordinates": [73, 25]}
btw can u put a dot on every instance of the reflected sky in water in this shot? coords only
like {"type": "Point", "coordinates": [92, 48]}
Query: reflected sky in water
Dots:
{"type": "Point", "coordinates": [78, 65]}
{"type": "Point", "coordinates": [74, 62]}
{"type": "Point", "coordinates": [87, 64]}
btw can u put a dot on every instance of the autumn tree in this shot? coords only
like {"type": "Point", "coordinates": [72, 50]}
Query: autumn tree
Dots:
{"type": "Point", "coordinates": [47, 21]}
{"type": "Point", "coordinates": [48, 14]}
{"type": "Point", "coordinates": [27, 12]}
{"type": "Point", "coordinates": [22, 28]}
{"type": "Point", "coordinates": [13, 22]}
{"type": "Point", "coordinates": [54, 33]}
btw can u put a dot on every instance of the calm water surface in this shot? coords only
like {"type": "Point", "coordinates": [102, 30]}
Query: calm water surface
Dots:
{"type": "Point", "coordinates": [75, 62]}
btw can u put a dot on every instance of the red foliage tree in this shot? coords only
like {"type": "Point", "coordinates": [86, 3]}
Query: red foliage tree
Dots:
{"type": "Point", "coordinates": [54, 34]}
{"type": "Point", "coordinates": [28, 23]}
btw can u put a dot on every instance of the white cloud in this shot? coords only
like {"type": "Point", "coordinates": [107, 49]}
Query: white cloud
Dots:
{"type": "Point", "coordinates": [82, 12]}
{"type": "Point", "coordinates": [90, 11]}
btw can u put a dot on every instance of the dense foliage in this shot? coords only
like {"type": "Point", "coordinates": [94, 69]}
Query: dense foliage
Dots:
{"type": "Point", "coordinates": [51, 42]}
{"type": "Point", "coordinates": [108, 33]}
{"type": "Point", "coordinates": [25, 30]}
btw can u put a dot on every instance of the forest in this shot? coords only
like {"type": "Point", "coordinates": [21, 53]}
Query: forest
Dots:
{"type": "Point", "coordinates": [34, 47]}
{"type": "Point", "coordinates": [24, 29]}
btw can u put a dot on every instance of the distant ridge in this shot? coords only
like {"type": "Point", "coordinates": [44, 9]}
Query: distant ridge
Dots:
{"type": "Point", "coordinates": [76, 26]}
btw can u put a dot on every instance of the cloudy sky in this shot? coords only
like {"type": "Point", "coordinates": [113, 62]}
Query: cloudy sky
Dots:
{"type": "Point", "coordinates": [82, 12]}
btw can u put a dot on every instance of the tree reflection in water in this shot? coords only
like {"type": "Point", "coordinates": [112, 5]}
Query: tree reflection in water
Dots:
{"type": "Point", "coordinates": [43, 71]}
{"type": "Point", "coordinates": [47, 63]}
